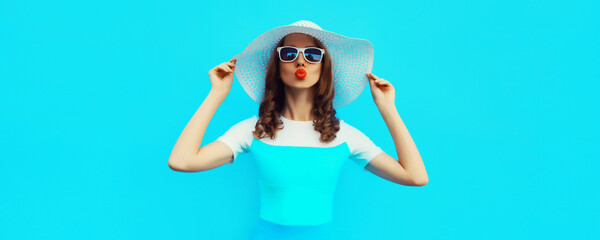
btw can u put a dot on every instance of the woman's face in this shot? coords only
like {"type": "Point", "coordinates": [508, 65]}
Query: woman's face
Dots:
{"type": "Point", "coordinates": [288, 69]}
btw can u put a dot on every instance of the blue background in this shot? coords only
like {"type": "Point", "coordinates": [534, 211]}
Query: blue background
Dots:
{"type": "Point", "coordinates": [500, 97]}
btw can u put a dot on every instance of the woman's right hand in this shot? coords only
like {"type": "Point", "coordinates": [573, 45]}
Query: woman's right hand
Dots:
{"type": "Point", "coordinates": [221, 76]}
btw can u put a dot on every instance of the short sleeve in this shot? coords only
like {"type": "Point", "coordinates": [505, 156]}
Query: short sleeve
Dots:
{"type": "Point", "coordinates": [362, 149]}
{"type": "Point", "coordinates": [239, 136]}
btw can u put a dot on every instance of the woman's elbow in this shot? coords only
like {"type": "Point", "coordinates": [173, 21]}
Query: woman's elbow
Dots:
{"type": "Point", "coordinates": [421, 182]}
{"type": "Point", "coordinates": [177, 166]}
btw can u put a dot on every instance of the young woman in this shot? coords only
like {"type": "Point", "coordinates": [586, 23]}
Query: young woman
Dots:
{"type": "Point", "coordinates": [299, 74]}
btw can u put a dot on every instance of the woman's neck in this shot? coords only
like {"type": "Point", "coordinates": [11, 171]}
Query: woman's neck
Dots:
{"type": "Point", "coordinates": [298, 104]}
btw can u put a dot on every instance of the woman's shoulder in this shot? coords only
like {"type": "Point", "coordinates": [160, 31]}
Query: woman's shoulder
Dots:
{"type": "Point", "coordinates": [348, 131]}
{"type": "Point", "coordinates": [344, 126]}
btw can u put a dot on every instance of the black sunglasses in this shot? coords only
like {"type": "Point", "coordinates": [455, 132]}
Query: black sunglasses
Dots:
{"type": "Point", "coordinates": [290, 53]}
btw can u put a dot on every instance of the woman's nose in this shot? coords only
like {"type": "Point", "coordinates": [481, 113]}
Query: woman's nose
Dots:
{"type": "Point", "coordinates": [300, 60]}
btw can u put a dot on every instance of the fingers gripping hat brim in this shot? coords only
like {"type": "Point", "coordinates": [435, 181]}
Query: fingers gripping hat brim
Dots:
{"type": "Point", "coordinates": [351, 59]}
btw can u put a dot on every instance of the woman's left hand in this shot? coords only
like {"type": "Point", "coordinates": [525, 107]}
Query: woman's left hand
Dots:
{"type": "Point", "coordinates": [382, 90]}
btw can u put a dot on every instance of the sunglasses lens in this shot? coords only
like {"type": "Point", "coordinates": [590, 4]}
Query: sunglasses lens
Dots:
{"type": "Point", "coordinates": [313, 55]}
{"type": "Point", "coordinates": [288, 54]}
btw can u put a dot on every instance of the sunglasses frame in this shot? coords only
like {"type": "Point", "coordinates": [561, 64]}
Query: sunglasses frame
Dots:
{"type": "Point", "coordinates": [300, 50]}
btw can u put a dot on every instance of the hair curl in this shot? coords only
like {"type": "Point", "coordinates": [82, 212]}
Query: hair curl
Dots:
{"type": "Point", "coordinates": [274, 99]}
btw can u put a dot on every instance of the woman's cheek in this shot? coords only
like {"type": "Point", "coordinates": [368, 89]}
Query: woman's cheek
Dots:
{"type": "Point", "coordinates": [316, 72]}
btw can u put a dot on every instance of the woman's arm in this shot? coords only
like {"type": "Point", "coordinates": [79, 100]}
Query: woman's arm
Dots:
{"type": "Point", "coordinates": [187, 146]}
{"type": "Point", "coordinates": [408, 154]}
{"type": "Point", "coordinates": [185, 151]}
{"type": "Point", "coordinates": [411, 170]}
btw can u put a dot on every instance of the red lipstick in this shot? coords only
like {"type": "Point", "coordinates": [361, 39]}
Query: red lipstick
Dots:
{"type": "Point", "coordinates": [300, 73]}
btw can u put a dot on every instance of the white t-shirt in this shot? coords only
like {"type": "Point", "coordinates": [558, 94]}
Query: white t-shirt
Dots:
{"type": "Point", "coordinates": [301, 133]}
{"type": "Point", "coordinates": [298, 173]}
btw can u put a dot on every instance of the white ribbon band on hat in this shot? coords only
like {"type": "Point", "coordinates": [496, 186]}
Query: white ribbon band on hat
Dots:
{"type": "Point", "coordinates": [351, 59]}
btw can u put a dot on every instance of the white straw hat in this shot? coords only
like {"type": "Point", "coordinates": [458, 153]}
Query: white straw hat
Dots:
{"type": "Point", "coordinates": [351, 59]}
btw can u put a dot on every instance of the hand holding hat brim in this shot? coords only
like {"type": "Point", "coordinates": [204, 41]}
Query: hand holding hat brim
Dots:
{"type": "Point", "coordinates": [382, 90]}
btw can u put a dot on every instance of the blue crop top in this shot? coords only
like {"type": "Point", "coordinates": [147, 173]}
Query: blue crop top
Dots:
{"type": "Point", "coordinates": [298, 173]}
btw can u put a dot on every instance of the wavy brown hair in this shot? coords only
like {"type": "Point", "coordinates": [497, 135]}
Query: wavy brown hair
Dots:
{"type": "Point", "coordinates": [274, 99]}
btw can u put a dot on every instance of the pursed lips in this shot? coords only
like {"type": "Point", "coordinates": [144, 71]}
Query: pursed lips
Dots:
{"type": "Point", "coordinates": [301, 73]}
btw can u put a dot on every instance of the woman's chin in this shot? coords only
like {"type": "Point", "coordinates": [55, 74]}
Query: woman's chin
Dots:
{"type": "Point", "coordinates": [301, 83]}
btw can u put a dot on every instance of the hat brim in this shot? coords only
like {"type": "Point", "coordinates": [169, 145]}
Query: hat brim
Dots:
{"type": "Point", "coordinates": [351, 59]}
